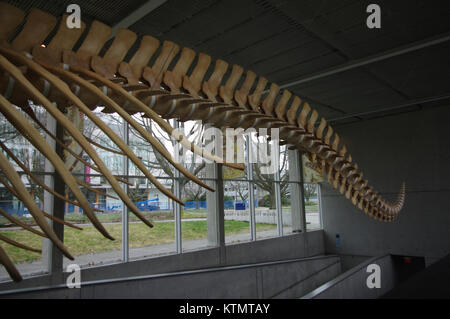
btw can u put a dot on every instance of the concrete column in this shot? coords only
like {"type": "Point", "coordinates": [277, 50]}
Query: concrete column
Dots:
{"type": "Point", "coordinates": [215, 206]}
{"type": "Point", "coordinates": [278, 204]}
{"type": "Point", "coordinates": [215, 200]}
{"type": "Point", "coordinates": [251, 187]}
{"type": "Point", "coordinates": [297, 199]}
{"type": "Point", "coordinates": [53, 205]}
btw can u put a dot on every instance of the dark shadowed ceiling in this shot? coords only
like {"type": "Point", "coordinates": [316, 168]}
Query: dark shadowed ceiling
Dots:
{"type": "Point", "coordinates": [287, 41]}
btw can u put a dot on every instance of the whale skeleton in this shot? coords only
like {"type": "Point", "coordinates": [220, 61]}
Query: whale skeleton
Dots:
{"type": "Point", "coordinates": [56, 78]}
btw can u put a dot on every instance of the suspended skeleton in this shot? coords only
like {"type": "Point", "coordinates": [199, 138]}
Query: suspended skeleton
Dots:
{"type": "Point", "coordinates": [57, 77]}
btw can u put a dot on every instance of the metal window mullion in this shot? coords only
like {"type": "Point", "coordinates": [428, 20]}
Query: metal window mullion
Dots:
{"type": "Point", "coordinates": [319, 200]}
{"type": "Point", "coordinates": [302, 197]}
{"type": "Point", "coordinates": [278, 208]}
{"type": "Point", "coordinates": [177, 193]}
{"type": "Point", "coordinates": [126, 187]}
{"type": "Point", "coordinates": [48, 197]}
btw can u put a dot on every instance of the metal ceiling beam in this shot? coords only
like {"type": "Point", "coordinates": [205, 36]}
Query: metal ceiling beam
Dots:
{"type": "Point", "coordinates": [137, 14]}
{"type": "Point", "coordinates": [371, 59]}
{"type": "Point", "coordinates": [393, 107]}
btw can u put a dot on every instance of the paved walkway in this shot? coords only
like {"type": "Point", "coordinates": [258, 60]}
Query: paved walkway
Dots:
{"type": "Point", "coordinates": [115, 223]}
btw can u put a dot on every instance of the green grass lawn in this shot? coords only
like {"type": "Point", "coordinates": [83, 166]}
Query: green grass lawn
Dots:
{"type": "Point", "coordinates": [89, 240]}
{"type": "Point", "coordinates": [193, 213]}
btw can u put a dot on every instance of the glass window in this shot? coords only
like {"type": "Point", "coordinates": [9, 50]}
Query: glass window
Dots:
{"type": "Point", "coordinates": [158, 208]}
{"type": "Point", "coordinates": [311, 206]}
{"type": "Point", "coordinates": [261, 200]}
{"type": "Point", "coordinates": [312, 176]}
{"type": "Point", "coordinates": [237, 211]}
{"type": "Point", "coordinates": [194, 216]}
{"type": "Point", "coordinates": [27, 262]}
{"type": "Point", "coordinates": [22, 154]}
{"type": "Point", "coordinates": [266, 217]}
{"type": "Point", "coordinates": [89, 246]}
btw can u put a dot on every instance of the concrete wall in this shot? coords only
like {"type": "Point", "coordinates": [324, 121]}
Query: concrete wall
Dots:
{"type": "Point", "coordinates": [350, 261]}
{"type": "Point", "coordinates": [288, 279]}
{"type": "Point", "coordinates": [274, 249]}
{"type": "Point", "coordinates": [352, 284]}
{"type": "Point", "coordinates": [415, 148]}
